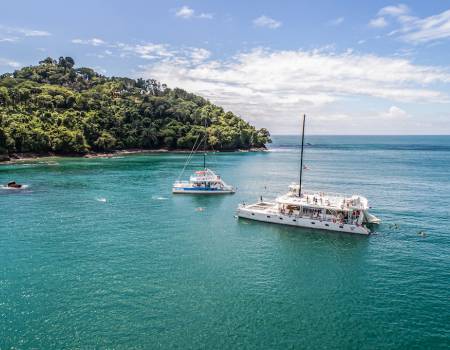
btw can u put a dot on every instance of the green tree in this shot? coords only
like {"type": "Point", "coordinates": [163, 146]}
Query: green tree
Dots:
{"type": "Point", "coordinates": [55, 106]}
{"type": "Point", "coordinates": [105, 142]}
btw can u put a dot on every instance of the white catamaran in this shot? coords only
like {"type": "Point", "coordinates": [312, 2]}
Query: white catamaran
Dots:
{"type": "Point", "coordinates": [318, 210]}
{"type": "Point", "coordinates": [204, 181]}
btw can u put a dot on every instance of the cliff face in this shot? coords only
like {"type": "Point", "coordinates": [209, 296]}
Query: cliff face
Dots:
{"type": "Point", "coordinates": [54, 107]}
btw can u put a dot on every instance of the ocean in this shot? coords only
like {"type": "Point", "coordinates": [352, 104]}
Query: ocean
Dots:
{"type": "Point", "coordinates": [98, 253]}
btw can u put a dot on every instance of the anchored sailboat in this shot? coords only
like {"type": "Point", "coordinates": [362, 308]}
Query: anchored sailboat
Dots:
{"type": "Point", "coordinates": [204, 181]}
{"type": "Point", "coordinates": [313, 209]}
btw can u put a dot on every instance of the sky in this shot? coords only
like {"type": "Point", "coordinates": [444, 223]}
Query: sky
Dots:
{"type": "Point", "coordinates": [353, 67]}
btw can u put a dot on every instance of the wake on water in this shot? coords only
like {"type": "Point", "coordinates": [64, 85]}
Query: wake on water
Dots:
{"type": "Point", "coordinates": [159, 198]}
{"type": "Point", "coordinates": [24, 187]}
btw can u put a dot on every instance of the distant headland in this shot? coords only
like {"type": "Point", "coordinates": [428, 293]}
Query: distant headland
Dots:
{"type": "Point", "coordinates": [55, 109]}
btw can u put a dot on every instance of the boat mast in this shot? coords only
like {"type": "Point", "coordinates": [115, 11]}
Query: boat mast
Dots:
{"type": "Point", "coordinates": [204, 149]}
{"type": "Point", "coordinates": [204, 160]}
{"type": "Point", "coordinates": [301, 158]}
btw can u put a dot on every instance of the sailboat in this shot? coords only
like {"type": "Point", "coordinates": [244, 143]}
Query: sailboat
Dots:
{"type": "Point", "coordinates": [313, 209]}
{"type": "Point", "coordinates": [203, 181]}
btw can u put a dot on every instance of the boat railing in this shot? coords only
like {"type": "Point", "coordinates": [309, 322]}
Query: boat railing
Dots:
{"type": "Point", "coordinates": [206, 181]}
{"type": "Point", "coordinates": [181, 182]}
{"type": "Point", "coordinates": [294, 187]}
{"type": "Point", "coordinates": [328, 194]}
{"type": "Point", "coordinates": [328, 218]}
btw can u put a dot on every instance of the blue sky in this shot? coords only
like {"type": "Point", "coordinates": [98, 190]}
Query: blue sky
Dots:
{"type": "Point", "coordinates": [355, 67]}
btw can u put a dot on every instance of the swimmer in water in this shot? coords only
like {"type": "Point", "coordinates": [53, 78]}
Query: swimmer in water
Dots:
{"type": "Point", "coordinates": [422, 233]}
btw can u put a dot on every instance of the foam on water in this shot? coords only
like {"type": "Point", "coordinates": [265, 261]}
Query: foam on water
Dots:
{"type": "Point", "coordinates": [4, 187]}
{"type": "Point", "coordinates": [159, 198]}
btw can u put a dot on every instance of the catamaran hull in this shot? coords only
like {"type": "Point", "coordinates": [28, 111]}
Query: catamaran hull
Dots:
{"type": "Point", "coordinates": [194, 191]}
{"type": "Point", "coordinates": [277, 218]}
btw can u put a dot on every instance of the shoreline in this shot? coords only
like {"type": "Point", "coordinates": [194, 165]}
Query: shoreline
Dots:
{"type": "Point", "coordinates": [24, 157]}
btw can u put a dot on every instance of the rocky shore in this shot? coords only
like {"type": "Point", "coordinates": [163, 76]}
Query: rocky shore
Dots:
{"type": "Point", "coordinates": [21, 157]}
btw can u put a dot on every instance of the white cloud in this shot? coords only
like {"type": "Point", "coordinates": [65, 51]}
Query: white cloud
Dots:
{"type": "Point", "coordinates": [144, 50]}
{"type": "Point", "coordinates": [14, 34]}
{"type": "Point", "coordinates": [186, 12]}
{"type": "Point", "coordinates": [205, 15]}
{"type": "Point", "coordinates": [413, 29]}
{"type": "Point", "coordinates": [30, 32]}
{"type": "Point", "coordinates": [267, 22]}
{"type": "Point", "coordinates": [416, 30]}
{"type": "Point", "coordinates": [395, 112]}
{"type": "Point", "coordinates": [199, 55]}
{"type": "Point", "coordinates": [147, 50]}
{"type": "Point", "coordinates": [9, 63]}
{"type": "Point", "coordinates": [97, 55]}
{"type": "Point", "coordinates": [337, 21]}
{"type": "Point", "coordinates": [10, 39]}
{"type": "Point", "coordinates": [362, 41]}
{"type": "Point", "coordinates": [398, 10]}
{"type": "Point", "coordinates": [394, 11]}
{"type": "Point", "coordinates": [271, 87]}
{"type": "Point", "coordinates": [379, 22]}
{"type": "Point", "coordinates": [92, 42]}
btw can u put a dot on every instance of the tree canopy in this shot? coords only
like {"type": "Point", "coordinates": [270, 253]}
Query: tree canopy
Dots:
{"type": "Point", "coordinates": [54, 107]}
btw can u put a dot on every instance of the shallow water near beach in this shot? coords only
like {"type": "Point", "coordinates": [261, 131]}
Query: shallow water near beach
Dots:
{"type": "Point", "coordinates": [97, 253]}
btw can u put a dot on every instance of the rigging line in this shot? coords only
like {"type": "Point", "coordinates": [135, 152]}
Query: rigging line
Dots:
{"type": "Point", "coordinates": [204, 145]}
{"type": "Point", "coordinates": [214, 156]}
{"type": "Point", "coordinates": [301, 159]}
{"type": "Point", "coordinates": [199, 144]}
{"type": "Point", "coordinates": [196, 149]}
{"type": "Point", "coordinates": [193, 150]}
{"type": "Point", "coordinates": [188, 158]}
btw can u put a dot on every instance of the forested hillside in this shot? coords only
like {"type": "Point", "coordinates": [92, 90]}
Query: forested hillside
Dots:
{"type": "Point", "coordinates": [54, 107]}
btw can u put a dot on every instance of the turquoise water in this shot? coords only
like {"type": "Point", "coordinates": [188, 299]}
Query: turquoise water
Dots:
{"type": "Point", "coordinates": [97, 253]}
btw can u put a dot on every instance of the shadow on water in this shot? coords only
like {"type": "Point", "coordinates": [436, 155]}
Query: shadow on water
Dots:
{"type": "Point", "coordinates": [15, 192]}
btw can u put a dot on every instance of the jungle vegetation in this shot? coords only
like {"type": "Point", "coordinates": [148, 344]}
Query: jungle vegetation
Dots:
{"type": "Point", "coordinates": [55, 107]}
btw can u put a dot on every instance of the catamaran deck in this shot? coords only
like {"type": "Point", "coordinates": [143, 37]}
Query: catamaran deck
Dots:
{"type": "Point", "coordinates": [323, 200]}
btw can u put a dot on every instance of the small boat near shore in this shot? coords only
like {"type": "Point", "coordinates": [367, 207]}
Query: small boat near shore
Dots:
{"type": "Point", "coordinates": [313, 209]}
{"type": "Point", "coordinates": [12, 185]}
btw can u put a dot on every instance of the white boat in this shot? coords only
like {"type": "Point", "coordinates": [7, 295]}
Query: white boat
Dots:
{"type": "Point", "coordinates": [204, 181]}
{"type": "Point", "coordinates": [313, 209]}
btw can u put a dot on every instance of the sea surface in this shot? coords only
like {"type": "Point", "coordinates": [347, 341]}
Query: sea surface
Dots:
{"type": "Point", "coordinates": [97, 253]}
